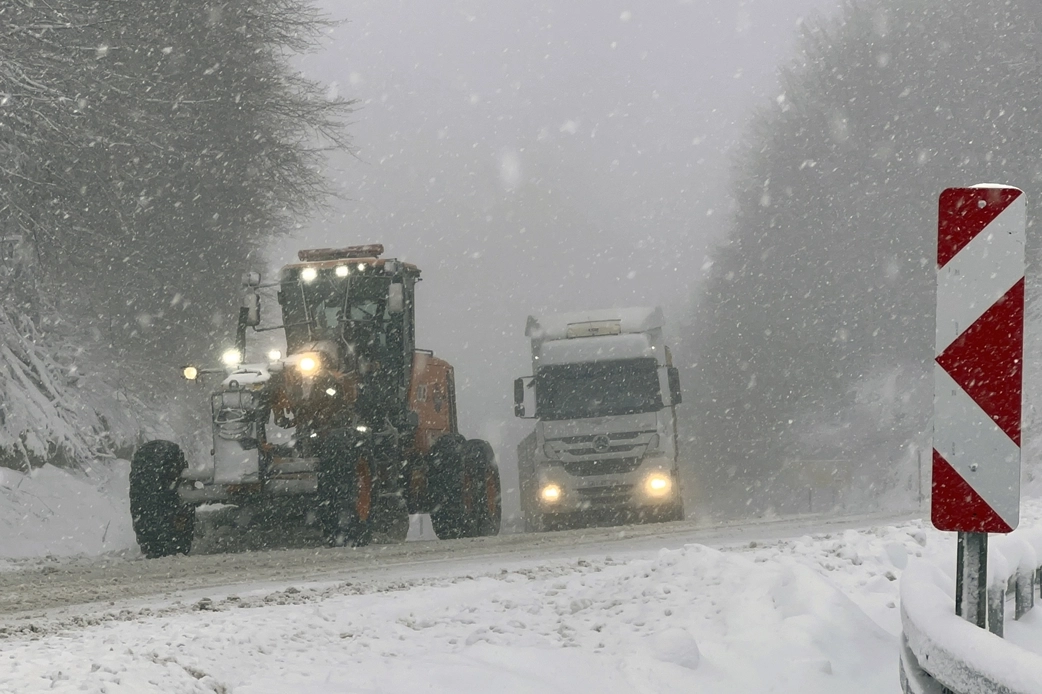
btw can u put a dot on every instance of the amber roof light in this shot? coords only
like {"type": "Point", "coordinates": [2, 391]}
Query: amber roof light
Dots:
{"type": "Point", "coordinates": [313, 255]}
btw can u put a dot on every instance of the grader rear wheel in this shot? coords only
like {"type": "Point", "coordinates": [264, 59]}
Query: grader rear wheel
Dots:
{"type": "Point", "coordinates": [466, 492]}
{"type": "Point", "coordinates": [451, 508]}
{"type": "Point", "coordinates": [390, 520]}
{"type": "Point", "coordinates": [487, 489]}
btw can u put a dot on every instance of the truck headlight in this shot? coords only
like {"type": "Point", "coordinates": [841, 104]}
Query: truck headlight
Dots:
{"type": "Point", "coordinates": [190, 373]}
{"type": "Point", "coordinates": [550, 493]}
{"type": "Point", "coordinates": [658, 485]}
{"type": "Point", "coordinates": [231, 357]}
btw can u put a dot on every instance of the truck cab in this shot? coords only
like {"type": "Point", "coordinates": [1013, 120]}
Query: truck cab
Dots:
{"type": "Point", "coordinates": [603, 394]}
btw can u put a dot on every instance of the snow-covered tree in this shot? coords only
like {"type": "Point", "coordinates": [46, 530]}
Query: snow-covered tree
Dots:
{"type": "Point", "coordinates": [825, 284]}
{"type": "Point", "coordinates": [148, 150]}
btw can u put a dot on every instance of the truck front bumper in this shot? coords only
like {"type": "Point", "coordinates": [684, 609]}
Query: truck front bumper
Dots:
{"type": "Point", "coordinates": [654, 484]}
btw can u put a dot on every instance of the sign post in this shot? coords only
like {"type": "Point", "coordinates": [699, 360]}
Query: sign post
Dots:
{"type": "Point", "coordinates": [978, 373]}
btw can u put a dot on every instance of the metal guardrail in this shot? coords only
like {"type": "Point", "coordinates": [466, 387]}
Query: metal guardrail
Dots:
{"type": "Point", "coordinates": [942, 653]}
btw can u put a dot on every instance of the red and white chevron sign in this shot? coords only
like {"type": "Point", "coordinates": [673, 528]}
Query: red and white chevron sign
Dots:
{"type": "Point", "coordinates": [978, 368]}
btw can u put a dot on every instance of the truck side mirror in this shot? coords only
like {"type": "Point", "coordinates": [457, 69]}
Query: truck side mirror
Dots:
{"type": "Point", "coordinates": [675, 396]}
{"type": "Point", "coordinates": [519, 397]}
{"type": "Point", "coordinates": [396, 298]}
{"type": "Point", "coordinates": [252, 305]}
{"type": "Point", "coordinates": [520, 385]}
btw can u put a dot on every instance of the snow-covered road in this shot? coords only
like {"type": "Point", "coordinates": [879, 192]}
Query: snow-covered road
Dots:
{"type": "Point", "coordinates": [124, 580]}
{"type": "Point", "coordinates": [644, 609]}
{"type": "Point", "coordinates": [802, 605]}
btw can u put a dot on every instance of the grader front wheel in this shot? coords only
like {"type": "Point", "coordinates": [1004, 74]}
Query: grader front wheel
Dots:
{"type": "Point", "coordinates": [163, 525]}
{"type": "Point", "coordinates": [345, 489]}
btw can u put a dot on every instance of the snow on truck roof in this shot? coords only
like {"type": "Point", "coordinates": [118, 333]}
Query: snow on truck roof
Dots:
{"type": "Point", "coordinates": [565, 325]}
{"type": "Point", "coordinates": [597, 349]}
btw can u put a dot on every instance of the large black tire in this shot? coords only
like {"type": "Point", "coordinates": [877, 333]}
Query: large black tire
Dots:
{"type": "Point", "coordinates": [535, 522]}
{"type": "Point", "coordinates": [487, 487]}
{"type": "Point", "coordinates": [390, 520]}
{"type": "Point", "coordinates": [162, 523]}
{"type": "Point", "coordinates": [345, 490]}
{"type": "Point", "coordinates": [673, 511]}
{"type": "Point", "coordinates": [448, 486]}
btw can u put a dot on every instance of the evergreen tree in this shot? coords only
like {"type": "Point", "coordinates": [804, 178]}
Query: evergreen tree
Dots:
{"type": "Point", "coordinates": [814, 334]}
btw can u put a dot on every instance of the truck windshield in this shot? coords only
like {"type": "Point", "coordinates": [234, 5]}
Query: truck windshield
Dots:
{"type": "Point", "coordinates": [598, 389]}
{"type": "Point", "coordinates": [333, 308]}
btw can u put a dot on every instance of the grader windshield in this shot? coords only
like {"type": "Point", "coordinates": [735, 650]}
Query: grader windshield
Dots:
{"type": "Point", "coordinates": [351, 310]}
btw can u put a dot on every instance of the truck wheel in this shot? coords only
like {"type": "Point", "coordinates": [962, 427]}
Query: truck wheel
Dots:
{"type": "Point", "coordinates": [674, 511]}
{"type": "Point", "coordinates": [345, 490]}
{"type": "Point", "coordinates": [448, 484]}
{"type": "Point", "coordinates": [487, 488]}
{"type": "Point", "coordinates": [163, 525]}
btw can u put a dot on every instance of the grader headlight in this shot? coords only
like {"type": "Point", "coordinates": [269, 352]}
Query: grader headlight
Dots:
{"type": "Point", "coordinates": [231, 358]}
{"type": "Point", "coordinates": [309, 364]}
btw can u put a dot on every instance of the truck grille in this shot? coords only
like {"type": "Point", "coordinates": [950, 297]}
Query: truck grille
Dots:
{"type": "Point", "coordinates": [572, 440]}
{"type": "Point", "coordinates": [594, 451]}
{"type": "Point", "coordinates": [611, 466]}
{"type": "Point", "coordinates": [616, 494]}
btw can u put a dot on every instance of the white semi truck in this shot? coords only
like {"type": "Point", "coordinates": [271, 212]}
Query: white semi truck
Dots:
{"type": "Point", "coordinates": [603, 394]}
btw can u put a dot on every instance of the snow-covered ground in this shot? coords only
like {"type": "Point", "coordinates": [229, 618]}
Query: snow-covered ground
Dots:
{"type": "Point", "coordinates": [806, 615]}
{"type": "Point", "coordinates": [816, 613]}
{"type": "Point", "coordinates": [55, 513]}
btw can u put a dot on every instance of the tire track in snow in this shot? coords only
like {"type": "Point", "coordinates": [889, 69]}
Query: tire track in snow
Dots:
{"type": "Point", "coordinates": [84, 589]}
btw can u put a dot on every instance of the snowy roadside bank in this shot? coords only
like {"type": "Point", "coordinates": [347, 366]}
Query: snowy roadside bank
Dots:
{"type": "Point", "coordinates": [772, 617]}
{"type": "Point", "coordinates": [57, 513]}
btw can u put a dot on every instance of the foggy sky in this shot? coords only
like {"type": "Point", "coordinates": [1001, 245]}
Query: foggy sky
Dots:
{"type": "Point", "coordinates": [540, 156]}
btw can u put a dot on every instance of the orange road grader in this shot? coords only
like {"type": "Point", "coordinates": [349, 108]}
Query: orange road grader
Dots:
{"type": "Point", "coordinates": [351, 430]}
